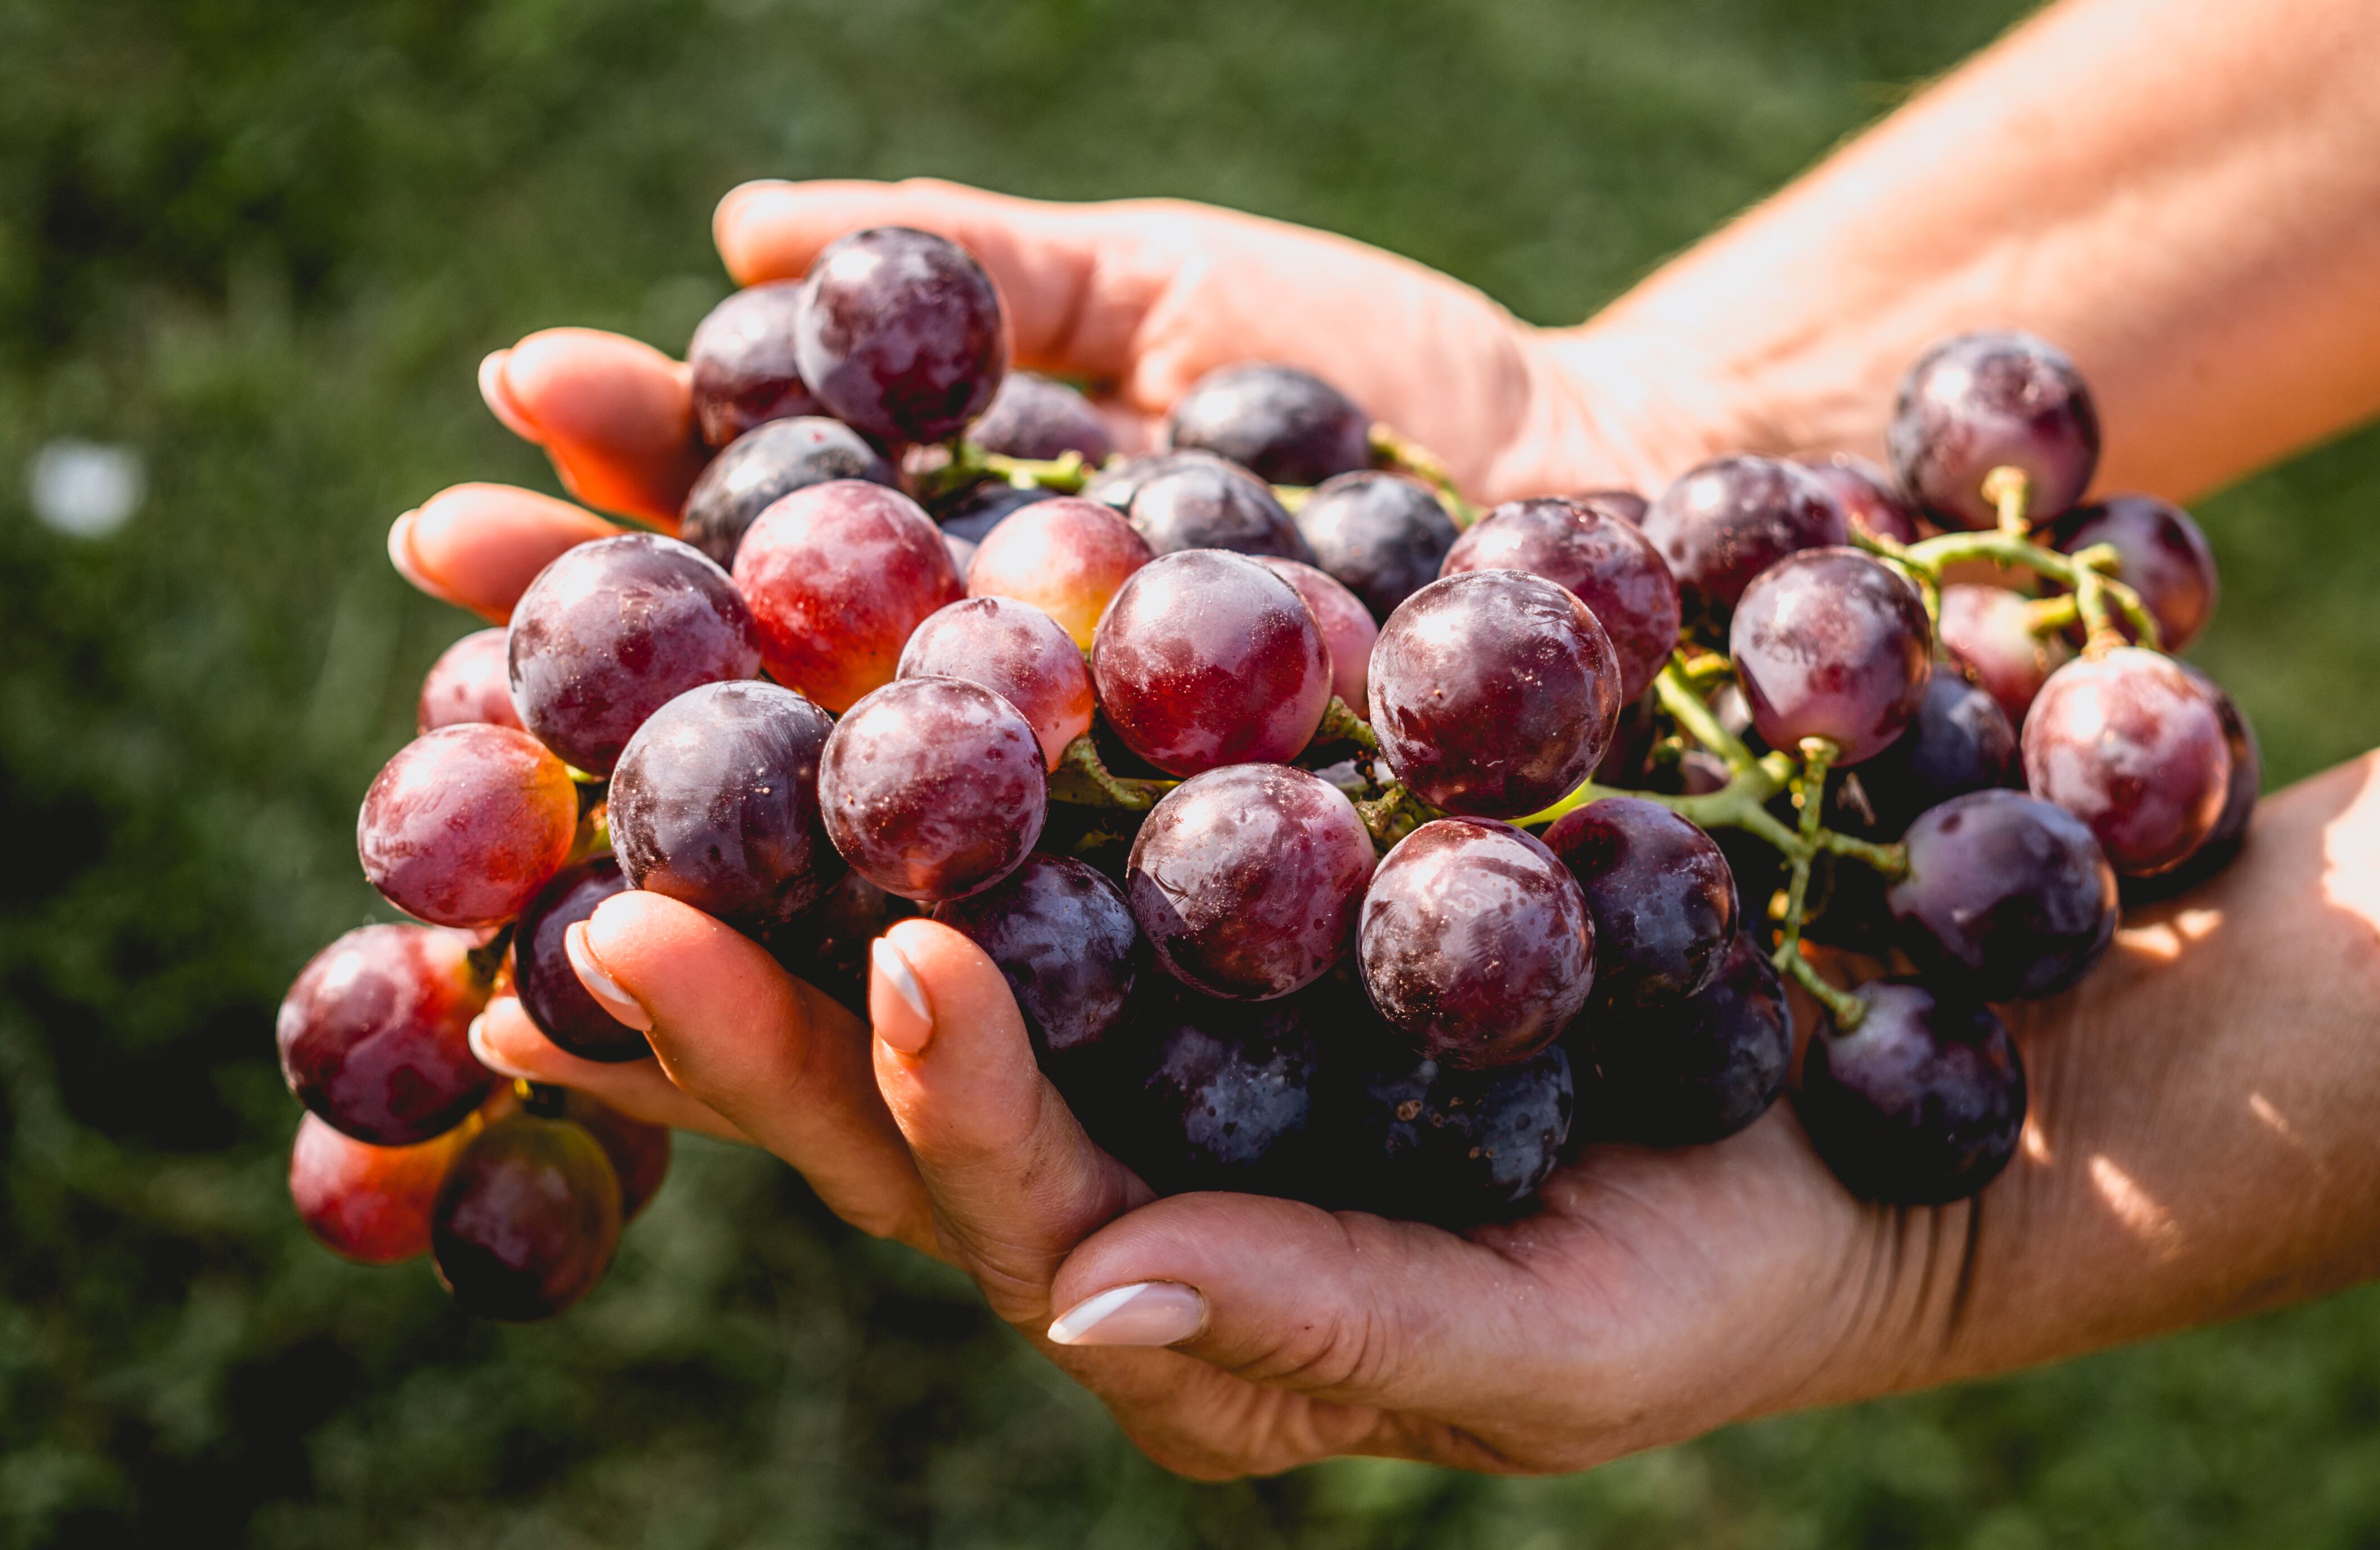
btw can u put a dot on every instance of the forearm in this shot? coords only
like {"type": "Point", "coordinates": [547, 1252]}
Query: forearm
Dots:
{"type": "Point", "coordinates": [2185, 194]}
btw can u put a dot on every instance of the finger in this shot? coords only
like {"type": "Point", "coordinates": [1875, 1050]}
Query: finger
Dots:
{"type": "Point", "coordinates": [479, 546]}
{"type": "Point", "coordinates": [508, 1043]}
{"type": "Point", "coordinates": [1014, 1181]}
{"type": "Point", "coordinates": [614, 414]}
{"type": "Point", "coordinates": [1071, 278]}
{"type": "Point", "coordinates": [774, 1057]}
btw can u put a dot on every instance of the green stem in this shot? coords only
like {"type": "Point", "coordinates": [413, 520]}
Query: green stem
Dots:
{"type": "Point", "coordinates": [2009, 489]}
{"type": "Point", "coordinates": [1693, 714]}
{"type": "Point", "coordinates": [1848, 1010]}
{"type": "Point", "coordinates": [971, 464]}
{"type": "Point", "coordinates": [1394, 813]}
{"type": "Point", "coordinates": [1393, 451]}
{"type": "Point", "coordinates": [1082, 779]}
{"type": "Point", "coordinates": [1341, 724]}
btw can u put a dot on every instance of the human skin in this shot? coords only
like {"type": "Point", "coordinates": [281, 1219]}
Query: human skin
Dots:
{"type": "Point", "coordinates": [2206, 240]}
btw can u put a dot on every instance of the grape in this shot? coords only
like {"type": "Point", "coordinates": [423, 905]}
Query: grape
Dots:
{"type": "Point", "coordinates": [1661, 895]}
{"type": "Point", "coordinates": [1493, 692]}
{"type": "Point", "coordinates": [1727, 521]}
{"type": "Point", "coordinates": [2221, 846]}
{"type": "Point", "coordinates": [1063, 938]}
{"type": "Point", "coordinates": [1920, 1104]}
{"type": "Point", "coordinates": [1832, 644]}
{"type": "Point", "coordinates": [2164, 558]}
{"type": "Point", "coordinates": [467, 683]}
{"type": "Point", "coordinates": [763, 468]}
{"type": "Point", "coordinates": [1207, 658]}
{"type": "Point", "coordinates": [549, 988]}
{"type": "Point", "coordinates": [826, 944]}
{"type": "Point", "coordinates": [368, 1203]}
{"type": "Point", "coordinates": [1380, 535]}
{"type": "Point", "coordinates": [985, 507]}
{"type": "Point", "coordinates": [933, 788]}
{"type": "Point", "coordinates": [1475, 939]}
{"type": "Point", "coordinates": [1204, 503]}
{"type": "Point", "coordinates": [1286, 426]}
{"type": "Point", "coordinates": [1037, 417]}
{"type": "Point", "coordinates": [1604, 562]}
{"type": "Point", "coordinates": [375, 1033]}
{"type": "Point", "coordinates": [741, 364]}
{"type": "Point", "coordinates": [717, 804]}
{"type": "Point", "coordinates": [1871, 501]}
{"type": "Point", "coordinates": [2006, 896]}
{"type": "Point", "coordinates": [962, 552]}
{"type": "Point", "coordinates": [1412, 1139]}
{"type": "Point", "coordinates": [466, 824]}
{"type": "Point", "coordinates": [639, 1152]}
{"type": "Point", "coordinates": [527, 1218]}
{"type": "Point", "coordinates": [1348, 632]}
{"type": "Point", "coordinates": [1626, 504]}
{"type": "Point", "coordinates": [837, 576]}
{"type": "Point", "coordinates": [2128, 743]}
{"type": "Point", "coordinates": [1984, 401]}
{"type": "Point", "coordinates": [1688, 1075]}
{"type": "Point", "coordinates": [614, 630]}
{"type": "Point", "coordinates": [900, 333]}
{"type": "Point", "coordinates": [1068, 557]}
{"type": "Point", "coordinates": [1115, 485]}
{"type": "Point", "coordinates": [1959, 741]}
{"type": "Point", "coordinates": [1246, 879]}
{"type": "Point", "coordinates": [1018, 653]}
{"type": "Point", "coordinates": [1989, 630]}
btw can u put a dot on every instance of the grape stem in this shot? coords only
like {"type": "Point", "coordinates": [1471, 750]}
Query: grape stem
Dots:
{"type": "Point", "coordinates": [971, 464]}
{"type": "Point", "coordinates": [1083, 778]}
{"type": "Point", "coordinates": [2009, 489]}
{"type": "Point", "coordinates": [1394, 813]}
{"type": "Point", "coordinates": [2087, 573]}
{"type": "Point", "coordinates": [1398, 454]}
{"type": "Point", "coordinates": [1848, 1010]}
{"type": "Point", "coordinates": [487, 956]}
{"type": "Point", "coordinates": [1341, 724]}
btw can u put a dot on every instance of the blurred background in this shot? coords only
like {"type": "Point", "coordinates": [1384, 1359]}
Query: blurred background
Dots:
{"type": "Point", "coordinates": [249, 255]}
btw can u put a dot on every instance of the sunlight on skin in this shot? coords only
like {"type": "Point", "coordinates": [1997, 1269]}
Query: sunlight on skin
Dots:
{"type": "Point", "coordinates": [2136, 1208]}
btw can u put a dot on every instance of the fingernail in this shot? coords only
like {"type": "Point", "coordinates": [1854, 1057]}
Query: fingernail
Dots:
{"type": "Point", "coordinates": [1145, 1313]}
{"type": "Point", "coordinates": [487, 1057]}
{"type": "Point", "coordinates": [908, 1037]}
{"type": "Point", "coordinates": [400, 553]}
{"type": "Point", "coordinates": [499, 397]}
{"type": "Point", "coordinates": [602, 986]}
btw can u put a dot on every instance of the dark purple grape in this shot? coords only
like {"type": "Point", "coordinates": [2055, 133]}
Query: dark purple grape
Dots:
{"type": "Point", "coordinates": [900, 333]}
{"type": "Point", "coordinates": [1870, 499]}
{"type": "Point", "coordinates": [466, 824]}
{"type": "Point", "coordinates": [741, 364]}
{"type": "Point", "coordinates": [2222, 842]}
{"type": "Point", "coordinates": [1285, 425]}
{"type": "Point", "coordinates": [985, 508]}
{"type": "Point", "coordinates": [1494, 694]}
{"type": "Point", "coordinates": [1626, 504]}
{"type": "Point", "coordinates": [716, 804]}
{"type": "Point", "coordinates": [1115, 485]}
{"type": "Point", "coordinates": [1063, 938]}
{"type": "Point", "coordinates": [1409, 1138]}
{"type": "Point", "coordinates": [2134, 747]}
{"type": "Point", "coordinates": [375, 1034]}
{"type": "Point", "coordinates": [1247, 880]}
{"type": "Point", "coordinates": [467, 683]}
{"type": "Point", "coordinates": [934, 788]}
{"type": "Point", "coordinates": [1018, 653]}
{"type": "Point", "coordinates": [763, 467]}
{"type": "Point", "coordinates": [1727, 521]}
{"type": "Point", "coordinates": [1475, 939]}
{"type": "Point", "coordinates": [1604, 562]}
{"type": "Point", "coordinates": [549, 988]}
{"type": "Point", "coordinates": [1382, 536]}
{"type": "Point", "coordinates": [2165, 559]}
{"type": "Point", "coordinates": [1959, 741]}
{"type": "Point", "coordinates": [1983, 401]}
{"type": "Point", "coordinates": [1347, 629]}
{"type": "Point", "coordinates": [613, 630]}
{"type": "Point", "coordinates": [1205, 503]}
{"type": "Point", "coordinates": [826, 944]}
{"type": "Point", "coordinates": [1832, 644]}
{"type": "Point", "coordinates": [2006, 896]}
{"type": "Point", "coordinates": [1920, 1104]}
{"type": "Point", "coordinates": [639, 1152]}
{"type": "Point", "coordinates": [1688, 1075]}
{"type": "Point", "coordinates": [1036, 417]}
{"type": "Point", "coordinates": [1989, 630]}
{"type": "Point", "coordinates": [527, 1220]}
{"type": "Point", "coordinates": [1207, 658]}
{"type": "Point", "coordinates": [1661, 895]}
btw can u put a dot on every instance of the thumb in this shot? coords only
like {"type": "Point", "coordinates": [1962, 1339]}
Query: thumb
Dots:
{"type": "Point", "coordinates": [614, 414]}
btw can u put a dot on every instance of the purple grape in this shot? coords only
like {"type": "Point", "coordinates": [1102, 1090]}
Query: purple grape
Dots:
{"type": "Point", "coordinates": [1727, 521]}
{"type": "Point", "coordinates": [1037, 417]}
{"type": "Point", "coordinates": [1988, 631]}
{"type": "Point", "coordinates": [1016, 650]}
{"type": "Point", "coordinates": [934, 788]}
{"type": "Point", "coordinates": [2134, 747]}
{"type": "Point", "coordinates": [2006, 896]}
{"type": "Point", "coordinates": [1959, 741]}
{"type": "Point", "coordinates": [1626, 504]}
{"type": "Point", "coordinates": [2165, 559]}
{"type": "Point", "coordinates": [900, 333]}
{"type": "Point", "coordinates": [1494, 694]}
{"type": "Point", "coordinates": [1688, 1075]}
{"type": "Point", "coordinates": [1115, 485]}
{"type": "Point", "coordinates": [1247, 879]}
{"type": "Point", "coordinates": [1920, 1104]}
{"type": "Point", "coordinates": [548, 987]}
{"type": "Point", "coordinates": [374, 1035]}
{"type": "Point", "coordinates": [1661, 895]}
{"type": "Point", "coordinates": [1205, 503]}
{"type": "Point", "coordinates": [467, 683]}
{"type": "Point", "coordinates": [1476, 940]}
{"type": "Point", "coordinates": [1412, 1139]}
{"type": "Point", "coordinates": [527, 1218]}
{"type": "Point", "coordinates": [1870, 499]}
{"type": "Point", "coordinates": [1063, 938]}
{"type": "Point", "coordinates": [827, 945]}
{"type": "Point", "coordinates": [1832, 644]}
{"type": "Point", "coordinates": [985, 508]}
{"type": "Point", "coordinates": [716, 804]}
{"type": "Point", "coordinates": [1983, 401]}
{"type": "Point", "coordinates": [765, 465]}
{"type": "Point", "coordinates": [614, 630]}
{"type": "Point", "coordinates": [1380, 535]}
{"type": "Point", "coordinates": [741, 364]}
{"type": "Point", "coordinates": [2222, 842]}
{"type": "Point", "coordinates": [1604, 562]}
{"type": "Point", "coordinates": [1285, 425]}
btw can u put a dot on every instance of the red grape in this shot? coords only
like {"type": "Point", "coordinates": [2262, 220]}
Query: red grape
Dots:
{"type": "Point", "coordinates": [741, 362]}
{"type": "Point", "coordinates": [467, 683]}
{"type": "Point", "coordinates": [1347, 629]}
{"type": "Point", "coordinates": [1832, 644]}
{"type": "Point", "coordinates": [1380, 535]}
{"type": "Point", "coordinates": [613, 630]}
{"type": "Point", "coordinates": [527, 1218]}
{"type": "Point", "coordinates": [1475, 939]}
{"type": "Point", "coordinates": [1494, 693]}
{"type": "Point", "coordinates": [837, 576]}
{"type": "Point", "coordinates": [933, 788]}
{"type": "Point", "coordinates": [1037, 417]}
{"type": "Point", "coordinates": [375, 1034]}
{"type": "Point", "coordinates": [900, 333]}
{"type": "Point", "coordinates": [1659, 893]}
{"type": "Point", "coordinates": [1689, 1074]}
{"type": "Point", "coordinates": [548, 987]}
{"type": "Point", "coordinates": [1604, 562]}
{"type": "Point", "coordinates": [1207, 658]}
{"type": "Point", "coordinates": [466, 824]}
{"type": "Point", "coordinates": [2164, 558]}
{"type": "Point", "coordinates": [1199, 502]}
{"type": "Point", "coordinates": [1413, 1139]}
{"type": "Point", "coordinates": [763, 468]}
{"type": "Point", "coordinates": [1063, 937]}
{"type": "Point", "coordinates": [1989, 630]}
{"type": "Point", "coordinates": [1727, 521]}
{"type": "Point", "coordinates": [2006, 896]}
{"type": "Point", "coordinates": [1870, 499]}
{"type": "Point", "coordinates": [2221, 846]}
{"type": "Point", "coordinates": [1018, 653]}
{"type": "Point", "coordinates": [1068, 557]}
{"type": "Point", "coordinates": [368, 1203]}
{"type": "Point", "coordinates": [1984, 401]}
{"type": "Point", "coordinates": [1921, 1103]}
{"type": "Point", "coordinates": [1285, 425]}
{"type": "Point", "coordinates": [2133, 745]}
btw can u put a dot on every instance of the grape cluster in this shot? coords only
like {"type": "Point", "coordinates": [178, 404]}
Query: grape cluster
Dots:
{"type": "Point", "coordinates": [1337, 840]}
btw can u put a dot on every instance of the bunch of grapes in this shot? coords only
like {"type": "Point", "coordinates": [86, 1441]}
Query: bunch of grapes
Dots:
{"type": "Point", "coordinates": [1337, 840]}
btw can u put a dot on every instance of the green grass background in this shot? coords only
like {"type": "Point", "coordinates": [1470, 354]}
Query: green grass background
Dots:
{"type": "Point", "coordinates": [266, 243]}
